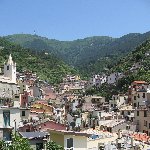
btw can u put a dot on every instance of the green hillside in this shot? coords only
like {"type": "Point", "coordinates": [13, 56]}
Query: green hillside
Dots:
{"type": "Point", "coordinates": [140, 55]}
{"type": "Point", "coordinates": [47, 66]}
{"type": "Point", "coordinates": [89, 55]}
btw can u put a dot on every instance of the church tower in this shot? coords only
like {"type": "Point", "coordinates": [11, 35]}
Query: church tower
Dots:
{"type": "Point", "coordinates": [10, 69]}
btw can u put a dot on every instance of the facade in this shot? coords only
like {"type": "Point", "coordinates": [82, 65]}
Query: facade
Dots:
{"type": "Point", "coordinates": [36, 91]}
{"type": "Point", "coordinates": [117, 101]}
{"type": "Point", "coordinates": [112, 78]}
{"type": "Point", "coordinates": [137, 93]}
{"type": "Point", "coordinates": [87, 140]}
{"type": "Point", "coordinates": [8, 85]}
{"type": "Point", "coordinates": [140, 99]}
{"type": "Point", "coordinates": [142, 120]}
{"type": "Point", "coordinates": [11, 118]}
{"type": "Point", "coordinates": [10, 70]}
{"type": "Point", "coordinates": [128, 112]}
{"type": "Point", "coordinates": [98, 80]}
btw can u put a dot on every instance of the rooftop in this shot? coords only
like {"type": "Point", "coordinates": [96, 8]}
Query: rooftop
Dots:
{"type": "Point", "coordinates": [33, 135]}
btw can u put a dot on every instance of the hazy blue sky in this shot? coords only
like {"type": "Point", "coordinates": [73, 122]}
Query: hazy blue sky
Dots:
{"type": "Point", "coordinates": [73, 19]}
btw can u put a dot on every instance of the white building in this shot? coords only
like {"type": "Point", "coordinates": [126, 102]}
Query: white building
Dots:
{"type": "Point", "coordinates": [114, 77]}
{"type": "Point", "coordinates": [98, 80]}
{"type": "Point", "coordinates": [10, 118]}
{"type": "Point", "coordinates": [8, 85]}
{"type": "Point", "coordinates": [118, 100]}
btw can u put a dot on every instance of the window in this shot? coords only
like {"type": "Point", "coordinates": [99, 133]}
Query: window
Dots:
{"type": "Point", "coordinates": [137, 113]}
{"type": "Point", "coordinates": [23, 113]}
{"type": "Point", "coordinates": [16, 96]}
{"type": "Point", "coordinates": [138, 96]}
{"type": "Point", "coordinates": [27, 130]}
{"type": "Point", "coordinates": [6, 117]}
{"type": "Point", "coordinates": [143, 95]}
{"type": "Point", "coordinates": [145, 123]}
{"type": "Point", "coordinates": [70, 143]}
{"type": "Point", "coordinates": [39, 146]}
{"type": "Point", "coordinates": [149, 125]}
{"type": "Point", "coordinates": [7, 67]}
{"type": "Point", "coordinates": [127, 127]}
{"type": "Point", "coordinates": [145, 113]}
{"type": "Point", "coordinates": [134, 97]}
{"type": "Point", "coordinates": [134, 104]}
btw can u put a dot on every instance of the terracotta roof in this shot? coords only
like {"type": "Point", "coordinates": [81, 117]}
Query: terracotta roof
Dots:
{"type": "Point", "coordinates": [140, 82]}
{"type": "Point", "coordinates": [51, 125]}
{"type": "Point", "coordinates": [141, 137]}
{"type": "Point", "coordinates": [37, 110]}
{"type": "Point", "coordinates": [41, 102]}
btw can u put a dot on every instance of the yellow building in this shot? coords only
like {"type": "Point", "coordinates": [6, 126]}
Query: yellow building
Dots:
{"type": "Point", "coordinates": [86, 140]}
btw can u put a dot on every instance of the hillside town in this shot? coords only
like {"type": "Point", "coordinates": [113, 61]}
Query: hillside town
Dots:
{"type": "Point", "coordinates": [40, 112]}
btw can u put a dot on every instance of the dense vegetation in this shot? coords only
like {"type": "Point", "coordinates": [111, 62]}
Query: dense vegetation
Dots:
{"type": "Point", "coordinates": [89, 55]}
{"type": "Point", "coordinates": [47, 66]}
{"type": "Point", "coordinates": [18, 143]}
{"type": "Point", "coordinates": [127, 65]}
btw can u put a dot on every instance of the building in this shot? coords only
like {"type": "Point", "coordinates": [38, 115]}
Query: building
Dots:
{"type": "Point", "coordinates": [114, 77]}
{"type": "Point", "coordinates": [36, 91]}
{"type": "Point", "coordinates": [128, 112]}
{"type": "Point", "coordinates": [36, 139]}
{"type": "Point", "coordinates": [8, 85]}
{"type": "Point", "coordinates": [98, 80]}
{"type": "Point", "coordinates": [137, 93]}
{"type": "Point", "coordinates": [11, 118]}
{"type": "Point", "coordinates": [117, 101]}
{"type": "Point", "coordinates": [85, 140]}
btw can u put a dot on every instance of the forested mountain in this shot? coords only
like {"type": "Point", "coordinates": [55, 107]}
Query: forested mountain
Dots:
{"type": "Point", "coordinates": [47, 66]}
{"type": "Point", "coordinates": [89, 55]}
{"type": "Point", "coordinates": [135, 66]}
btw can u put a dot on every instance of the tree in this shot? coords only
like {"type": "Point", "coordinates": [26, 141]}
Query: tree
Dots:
{"type": "Point", "coordinates": [51, 145]}
{"type": "Point", "coordinates": [18, 143]}
{"type": "Point", "coordinates": [2, 145]}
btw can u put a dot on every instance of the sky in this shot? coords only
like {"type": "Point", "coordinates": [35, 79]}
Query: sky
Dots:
{"type": "Point", "coordinates": [74, 19]}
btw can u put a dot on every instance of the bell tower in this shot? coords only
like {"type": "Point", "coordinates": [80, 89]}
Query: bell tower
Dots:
{"type": "Point", "coordinates": [10, 69]}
